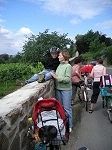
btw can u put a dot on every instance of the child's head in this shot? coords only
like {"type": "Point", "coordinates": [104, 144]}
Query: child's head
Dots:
{"type": "Point", "coordinates": [100, 61]}
{"type": "Point", "coordinates": [93, 62]}
{"type": "Point", "coordinates": [47, 133]}
{"type": "Point", "coordinates": [77, 60]}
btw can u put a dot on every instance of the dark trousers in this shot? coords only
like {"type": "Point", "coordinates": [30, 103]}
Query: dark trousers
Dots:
{"type": "Point", "coordinates": [74, 90]}
{"type": "Point", "coordinates": [96, 91]}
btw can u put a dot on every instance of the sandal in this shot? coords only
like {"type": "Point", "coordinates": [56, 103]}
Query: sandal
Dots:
{"type": "Point", "coordinates": [90, 111]}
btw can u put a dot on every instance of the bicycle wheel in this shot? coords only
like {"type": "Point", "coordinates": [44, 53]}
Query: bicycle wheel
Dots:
{"type": "Point", "coordinates": [86, 100]}
{"type": "Point", "coordinates": [103, 101]}
{"type": "Point", "coordinates": [55, 147]}
{"type": "Point", "coordinates": [80, 93]}
{"type": "Point", "coordinates": [109, 108]}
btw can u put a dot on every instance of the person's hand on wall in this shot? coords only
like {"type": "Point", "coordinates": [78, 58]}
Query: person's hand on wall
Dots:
{"type": "Point", "coordinates": [54, 75]}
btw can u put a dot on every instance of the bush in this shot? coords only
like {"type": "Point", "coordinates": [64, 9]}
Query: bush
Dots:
{"type": "Point", "coordinates": [14, 71]}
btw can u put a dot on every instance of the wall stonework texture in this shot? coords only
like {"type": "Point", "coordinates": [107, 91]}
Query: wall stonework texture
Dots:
{"type": "Point", "coordinates": [14, 124]}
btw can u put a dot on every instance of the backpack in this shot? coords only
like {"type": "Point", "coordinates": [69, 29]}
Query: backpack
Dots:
{"type": "Point", "coordinates": [106, 81]}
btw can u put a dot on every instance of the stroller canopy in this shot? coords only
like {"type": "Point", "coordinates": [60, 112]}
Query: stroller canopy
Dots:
{"type": "Point", "coordinates": [47, 105]}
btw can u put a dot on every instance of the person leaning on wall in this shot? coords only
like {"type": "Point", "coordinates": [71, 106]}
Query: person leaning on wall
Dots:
{"type": "Point", "coordinates": [76, 77]}
{"type": "Point", "coordinates": [50, 62]}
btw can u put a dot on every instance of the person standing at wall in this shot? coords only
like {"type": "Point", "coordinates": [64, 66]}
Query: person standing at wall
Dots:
{"type": "Point", "coordinates": [64, 84]}
{"type": "Point", "coordinates": [76, 77]}
{"type": "Point", "coordinates": [97, 71]}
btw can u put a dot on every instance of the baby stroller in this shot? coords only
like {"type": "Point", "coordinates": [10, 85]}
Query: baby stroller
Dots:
{"type": "Point", "coordinates": [50, 122]}
{"type": "Point", "coordinates": [106, 93]}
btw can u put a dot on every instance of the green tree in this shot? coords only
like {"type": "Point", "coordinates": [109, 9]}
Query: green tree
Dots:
{"type": "Point", "coordinates": [15, 58]}
{"type": "Point", "coordinates": [96, 46]}
{"type": "Point", "coordinates": [107, 53]}
{"type": "Point", "coordinates": [4, 58]}
{"type": "Point", "coordinates": [36, 46]}
{"type": "Point", "coordinates": [92, 42]}
{"type": "Point", "coordinates": [82, 45]}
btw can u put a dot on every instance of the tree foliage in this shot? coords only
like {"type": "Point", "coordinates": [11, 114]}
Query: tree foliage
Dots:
{"type": "Point", "coordinates": [92, 42]}
{"type": "Point", "coordinates": [36, 46]}
{"type": "Point", "coordinates": [4, 58]}
{"type": "Point", "coordinates": [93, 45]}
{"type": "Point", "coordinates": [107, 53]}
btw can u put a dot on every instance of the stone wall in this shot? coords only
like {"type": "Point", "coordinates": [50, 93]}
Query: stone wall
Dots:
{"type": "Point", "coordinates": [15, 109]}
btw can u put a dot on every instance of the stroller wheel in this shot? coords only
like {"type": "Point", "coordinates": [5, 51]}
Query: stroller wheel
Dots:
{"type": "Point", "coordinates": [83, 148]}
{"type": "Point", "coordinates": [109, 111]}
{"type": "Point", "coordinates": [54, 147]}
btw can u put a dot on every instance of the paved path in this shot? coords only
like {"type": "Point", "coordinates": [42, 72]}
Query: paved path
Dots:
{"type": "Point", "coordinates": [94, 131]}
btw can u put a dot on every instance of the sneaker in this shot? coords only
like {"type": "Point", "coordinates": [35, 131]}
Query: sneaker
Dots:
{"type": "Point", "coordinates": [70, 130]}
{"type": "Point", "coordinates": [72, 103]}
{"type": "Point", "coordinates": [41, 78]}
{"type": "Point", "coordinates": [24, 83]}
{"type": "Point", "coordinates": [89, 100]}
{"type": "Point", "coordinates": [88, 89]}
{"type": "Point", "coordinates": [109, 110]}
{"type": "Point", "coordinates": [90, 111]}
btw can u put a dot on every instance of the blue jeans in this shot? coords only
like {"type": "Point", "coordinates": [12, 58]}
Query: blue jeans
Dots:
{"type": "Point", "coordinates": [45, 72]}
{"type": "Point", "coordinates": [64, 96]}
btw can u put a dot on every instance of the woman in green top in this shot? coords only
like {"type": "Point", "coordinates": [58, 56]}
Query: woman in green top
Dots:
{"type": "Point", "coordinates": [64, 84]}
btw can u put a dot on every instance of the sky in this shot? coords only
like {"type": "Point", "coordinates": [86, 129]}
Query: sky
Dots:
{"type": "Point", "coordinates": [21, 18]}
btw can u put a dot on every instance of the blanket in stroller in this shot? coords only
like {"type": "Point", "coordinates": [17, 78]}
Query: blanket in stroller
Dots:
{"type": "Point", "coordinates": [49, 112]}
{"type": "Point", "coordinates": [50, 118]}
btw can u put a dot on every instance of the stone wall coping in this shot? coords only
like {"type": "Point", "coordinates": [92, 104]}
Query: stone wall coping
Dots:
{"type": "Point", "coordinates": [16, 99]}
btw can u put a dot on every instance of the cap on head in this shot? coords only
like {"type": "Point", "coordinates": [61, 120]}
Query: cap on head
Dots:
{"type": "Point", "coordinates": [54, 50]}
{"type": "Point", "coordinates": [93, 62]}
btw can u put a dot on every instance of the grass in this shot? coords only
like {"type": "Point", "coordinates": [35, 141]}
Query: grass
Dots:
{"type": "Point", "coordinates": [8, 87]}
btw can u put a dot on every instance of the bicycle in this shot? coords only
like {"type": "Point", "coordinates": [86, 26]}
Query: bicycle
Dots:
{"type": "Point", "coordinates": [106, 94]}
{"type": "Point", "coordinates": [83, 92]}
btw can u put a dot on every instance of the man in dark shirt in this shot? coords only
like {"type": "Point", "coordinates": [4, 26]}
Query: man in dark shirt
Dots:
{"type": "Point", "coordinates": [50, 61]}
